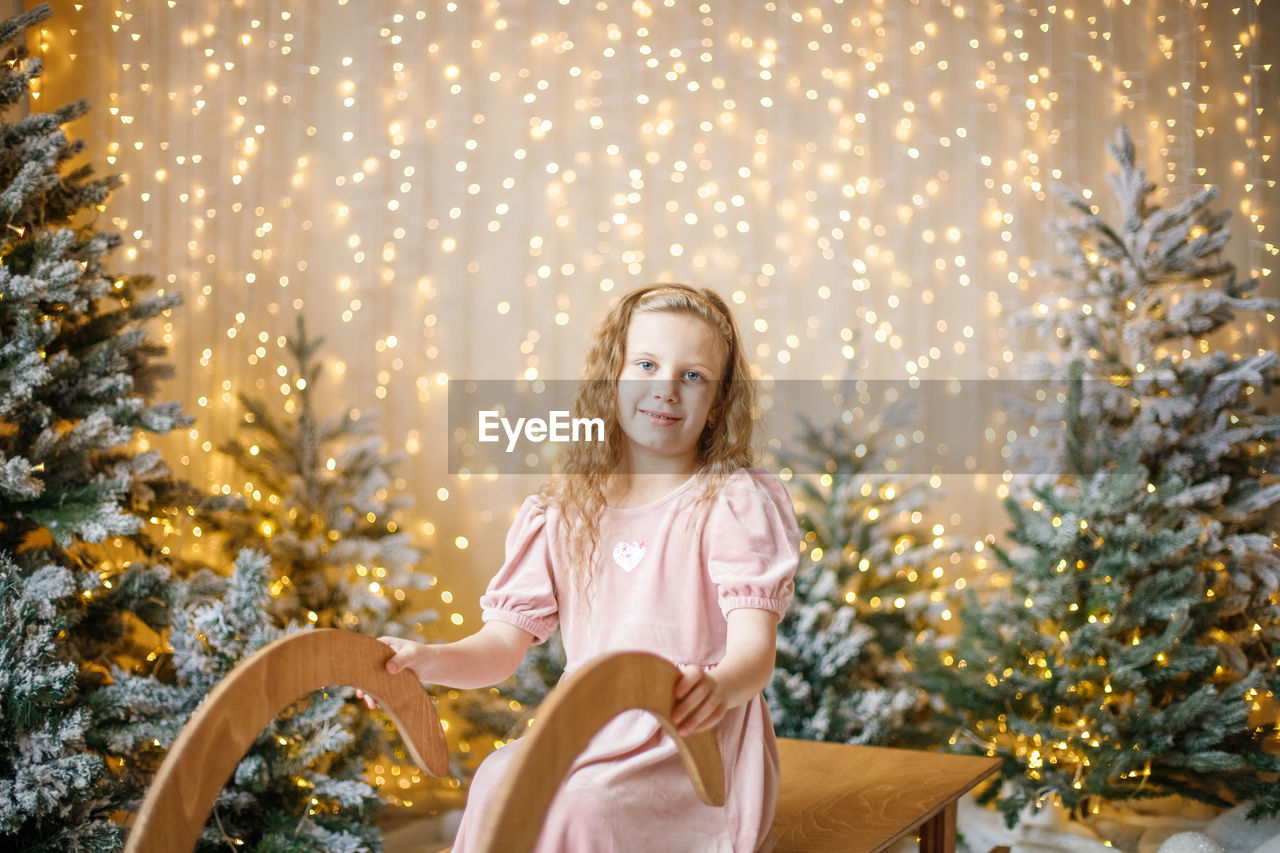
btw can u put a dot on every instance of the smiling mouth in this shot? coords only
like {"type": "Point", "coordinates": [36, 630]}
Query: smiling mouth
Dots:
{"type": "Point", "coordinates": [658, 417]}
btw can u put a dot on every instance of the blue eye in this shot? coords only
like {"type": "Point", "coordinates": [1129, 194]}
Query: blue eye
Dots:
{"type": "Point", "coordinates": [693, 375]}
{"type": "Point", "coordinates": [645, 365]}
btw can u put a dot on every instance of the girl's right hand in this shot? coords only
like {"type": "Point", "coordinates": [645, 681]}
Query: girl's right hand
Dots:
{"type": "Point", "coordinates": [407, 654]}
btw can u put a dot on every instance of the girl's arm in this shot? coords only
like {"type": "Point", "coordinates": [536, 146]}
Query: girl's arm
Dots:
{"type": "Point", "coordinates": [703, 697]}
{"type": "Point", "coordinates": [487, 657]}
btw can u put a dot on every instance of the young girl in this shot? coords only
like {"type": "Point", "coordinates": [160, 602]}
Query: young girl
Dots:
{"type": "Point", "coordinates": [659, 539]}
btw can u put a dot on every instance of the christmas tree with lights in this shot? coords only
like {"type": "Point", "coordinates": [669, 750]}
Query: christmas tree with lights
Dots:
{"type": "Point", "coordinates": [867, 591]}
{"type": "Point", "coordinates": [94, 681]}
{"type": "Point", "coordinates": [301, 786]}
{"type": "Point", "coordinates": [318, 501]}
{"type": "Point", "coordinates": [76, 482]}
{"type": "Point", "coordinates": [1135, 651]}
{"type": "Point", "coordinates": [83, 600]}
{"type": "Point", "coordinates": [53, 794]}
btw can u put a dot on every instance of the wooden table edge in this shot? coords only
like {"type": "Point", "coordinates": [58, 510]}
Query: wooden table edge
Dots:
{"type": "Point", "coordinates": [992, 766]}
{"type": "Point", "coordinates": [947, 803]}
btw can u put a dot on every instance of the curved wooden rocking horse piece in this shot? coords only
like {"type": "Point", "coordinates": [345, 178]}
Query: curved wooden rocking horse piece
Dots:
{"type": "Point", "coordinates": [572, 713]}
{"type": "Point", "coordinates": [240, 707]}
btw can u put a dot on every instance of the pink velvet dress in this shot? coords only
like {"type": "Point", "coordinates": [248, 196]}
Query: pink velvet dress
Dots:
{"type": "Point", "coordinates": [663, 586]}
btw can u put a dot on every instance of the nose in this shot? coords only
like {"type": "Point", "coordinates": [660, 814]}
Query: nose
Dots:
{"type": "Point", "coordinates": [666, 388]}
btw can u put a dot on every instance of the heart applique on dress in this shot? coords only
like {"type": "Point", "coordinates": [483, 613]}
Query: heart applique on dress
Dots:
{"type": "Point", "coordinates": [628, 554]}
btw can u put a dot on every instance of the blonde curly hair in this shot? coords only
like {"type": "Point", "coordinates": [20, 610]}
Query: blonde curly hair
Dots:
{"type": "Point", "coordinates": [727, 443]}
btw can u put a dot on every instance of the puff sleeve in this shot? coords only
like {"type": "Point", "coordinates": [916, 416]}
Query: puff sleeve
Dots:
{"type": "Point", "coordinates": [523, 591]}
{"type": "Point", "coordinates": [752, 543]}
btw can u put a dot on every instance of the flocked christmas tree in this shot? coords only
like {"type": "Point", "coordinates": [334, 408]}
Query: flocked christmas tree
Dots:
{"type": "Point", "coordinates": [319, 498]}
{"type": "Point", "coordinates": [304, 785]}
{"type": "Point", "coordinates": [301, 787]}
{"type": "Point", "coordinates": [320, 503]}
{"type": "Point", "coordinates": [867, 590]}
{"type": "Point", "coordinates": [52, 795]}
{"type": "Point", "coordinates": [89, 695]}
{"type": "Point", "coordinates": [1136, 649]}
{"type": "Point", "coordinates": [76, 372]}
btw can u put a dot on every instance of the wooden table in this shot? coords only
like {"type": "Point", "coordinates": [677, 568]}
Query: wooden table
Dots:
{"type": "Point", "coordinates": [848, 799]}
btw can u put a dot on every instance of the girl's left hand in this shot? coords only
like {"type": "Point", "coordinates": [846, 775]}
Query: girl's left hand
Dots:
{"type": "Point", "coordinates": [700, 701]}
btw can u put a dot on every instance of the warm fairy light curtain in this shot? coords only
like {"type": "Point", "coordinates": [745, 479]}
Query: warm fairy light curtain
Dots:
{"type": "Point", "coordinates": [456, 189]}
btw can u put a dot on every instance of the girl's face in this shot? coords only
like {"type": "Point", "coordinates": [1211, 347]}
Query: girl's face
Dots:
{"type": "Point", "coordinates": [667, 388]}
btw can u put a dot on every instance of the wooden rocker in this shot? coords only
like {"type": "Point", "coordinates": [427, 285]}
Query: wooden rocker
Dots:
{"type": "Point", "coordinates": [240, 707]}
{"type": "Point", "coordinates": [566, 721]}
{"type": "Point", "coordinates": [236, 711]}
{"type": "Point", "coordinates": [834, 797]}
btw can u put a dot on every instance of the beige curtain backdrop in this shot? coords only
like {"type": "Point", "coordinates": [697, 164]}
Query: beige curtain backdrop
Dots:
{"type": "Point", "coordinates": [453, 190]}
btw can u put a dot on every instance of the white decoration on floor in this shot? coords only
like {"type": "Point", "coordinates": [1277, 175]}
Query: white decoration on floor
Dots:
{"type": "Point", "coordinates": [1237, 834]}
{"type": "Point", "coordinates": [1190, 842]}
{"type": "Point", "coordinates": [1272, 846]}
